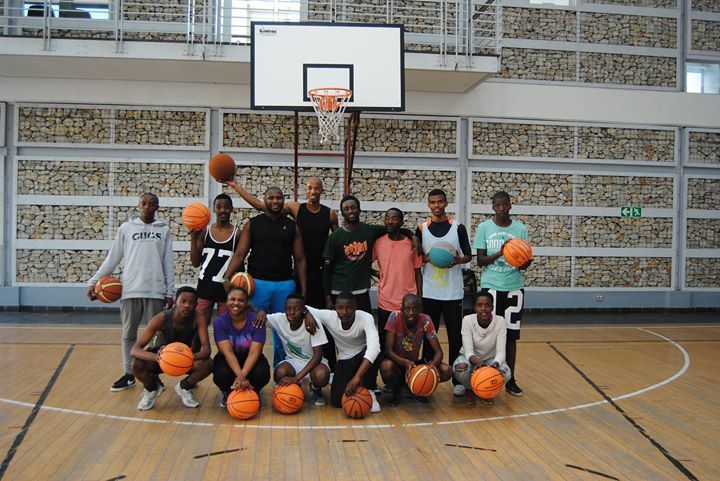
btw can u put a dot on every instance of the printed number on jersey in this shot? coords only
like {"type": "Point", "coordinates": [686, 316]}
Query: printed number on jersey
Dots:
{"type": "Point", "coordinates": [211, 253]}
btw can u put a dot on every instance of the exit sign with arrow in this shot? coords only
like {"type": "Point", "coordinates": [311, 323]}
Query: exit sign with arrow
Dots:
{"type": "Point", "coordinates": [631, 211]}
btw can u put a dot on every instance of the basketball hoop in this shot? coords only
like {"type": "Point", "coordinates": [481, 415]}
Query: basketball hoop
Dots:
{"type": "Point", "coordinates": [329, 104]}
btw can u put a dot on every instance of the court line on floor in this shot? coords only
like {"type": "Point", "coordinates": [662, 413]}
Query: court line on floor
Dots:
{"type": "Point", "coordinates": [679, 373]}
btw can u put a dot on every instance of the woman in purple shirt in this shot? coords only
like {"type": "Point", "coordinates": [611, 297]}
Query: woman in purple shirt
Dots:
{"type": "Point", "coordinates": [239, 363]}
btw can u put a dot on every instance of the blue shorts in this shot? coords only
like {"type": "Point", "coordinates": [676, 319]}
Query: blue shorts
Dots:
{"type": "Point", "coordinates": [270, 295]}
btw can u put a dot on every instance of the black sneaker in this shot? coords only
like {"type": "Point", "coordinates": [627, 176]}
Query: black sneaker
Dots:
{"type": "Point", "coordinates": [125, 382]}
{"type": "Point", "coordinates": [396, 398]}
{"type": "Point", "coordinates": [420, 399]}
{"type": "Point", "coordinates": [512, 388]}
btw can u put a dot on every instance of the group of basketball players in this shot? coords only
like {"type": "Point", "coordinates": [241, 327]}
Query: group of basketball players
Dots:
{"type": "Point", "coordinates": [312, 278]}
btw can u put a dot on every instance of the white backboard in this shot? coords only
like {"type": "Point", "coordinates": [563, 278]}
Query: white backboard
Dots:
{"type": "Point", "coordinates": [288, 59]}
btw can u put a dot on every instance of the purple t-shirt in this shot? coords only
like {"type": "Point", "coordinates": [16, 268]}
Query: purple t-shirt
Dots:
{"type": "Point", "coordinates": [240, 339]}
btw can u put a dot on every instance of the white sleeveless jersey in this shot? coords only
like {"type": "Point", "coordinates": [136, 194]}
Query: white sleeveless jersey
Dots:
{"type": "Point", "coordinates": [441, 284]}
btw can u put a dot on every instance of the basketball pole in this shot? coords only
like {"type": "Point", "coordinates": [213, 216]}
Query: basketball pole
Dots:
{"type": "Point", "coordinates": [351, 131]}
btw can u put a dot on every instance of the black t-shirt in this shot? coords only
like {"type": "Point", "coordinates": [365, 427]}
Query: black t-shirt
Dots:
{"type": "Point", "coordinates": [314, 229]}
{"type": "Point", "coordinates": [439, 229]}
{"type": "Point", "coordinates": [271, 244]}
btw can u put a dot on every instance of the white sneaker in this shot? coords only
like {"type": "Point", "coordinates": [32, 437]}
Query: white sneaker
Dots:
{"type": "Point", "coordinates": [375, 404]}
{"type": "Point", "coordinates": [459, 390]}
{"type": "Point", "coordinates": [147, 401]}
{"type": "Point", "coordinates": [187, 396]}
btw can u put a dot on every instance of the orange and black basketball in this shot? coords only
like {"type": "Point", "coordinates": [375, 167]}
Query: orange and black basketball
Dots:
{"type": "Point", "coordinates": [517, 252]}
{"type": "Point", "coordinates": [176, 359]}
{"type": "Point", "coordinates": [244, 280]}
{"type": "Point", "coordinates": [358, 405]}
{"type": "Point", "coordinates": [196, 216]}
{"type": "Point", "coordinates": [423, 380]}
{"type": "Point", "coordinates": [108, 289]}
{"type": "Point", "coordinates": [288, 399]}
{"type": "Point", "coordinates": [487, 382]}
{"type": "Point", "coordinates": [222, 167]}
{"type": "Point", "coordinates": [243, 404]}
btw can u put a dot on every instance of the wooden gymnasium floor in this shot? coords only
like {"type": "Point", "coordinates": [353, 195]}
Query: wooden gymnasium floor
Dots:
{"type": "Point", "coordinates": [601, 402]}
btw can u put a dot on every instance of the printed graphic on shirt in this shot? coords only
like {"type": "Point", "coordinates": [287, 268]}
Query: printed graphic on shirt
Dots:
{"type": "Point", "coordinates": [494, 243]}
{"type": "Point", "coordinates": [240, 342]}
{"type": "Point", "coordinates": [295, 351]}
{"type": "Point", "coordinates": [356, 250]}
{"type": "Point", "coordinates": [439, 276]}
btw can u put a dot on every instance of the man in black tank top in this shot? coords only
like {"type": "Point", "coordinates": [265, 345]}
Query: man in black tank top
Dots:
{"type": "Point", "coordinates": [274, 242]}
{"type": "Point", "coordinates": [181, 324]}
{"type": "Point", "coordinates": [211, 250]}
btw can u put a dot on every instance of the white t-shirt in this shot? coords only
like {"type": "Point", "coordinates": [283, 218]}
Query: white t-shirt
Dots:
{"type": "Point", "coordinates": [298, 344]}
{"type": "Point", "coordinates": [362, 335]}
{"type": "Point", "coordinates": [488, 343]}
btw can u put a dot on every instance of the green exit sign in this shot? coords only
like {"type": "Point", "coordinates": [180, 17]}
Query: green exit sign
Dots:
{"type": "Point", "coordinates": [631, 211]}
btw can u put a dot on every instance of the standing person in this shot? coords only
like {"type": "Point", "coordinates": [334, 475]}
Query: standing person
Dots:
{"type": "Point", "coordinates": [358, 347]}
{"type": "Point", "coordinates": [483, 338]}
{"type": "Point", "coordinates": [315, 221]}
{"type": "Point", "coordinates": [275, 244]}
{"type": "Point", "coordinates": [406, 331]}
{"type": "Point", "coordinates": [240, 362]}
{"type": "Point", "coordinates": [504, 282]}
{"type": "Point", "coordinates": [144, 244]}
{"type": "Point", "coordinates": [304, 350]}
{"type": "Point", "coordinates": [442, 289]}
{"type": "Point", "coordinates": [182, 324]}
{"type": "Point", "coordinates": [211, 250]}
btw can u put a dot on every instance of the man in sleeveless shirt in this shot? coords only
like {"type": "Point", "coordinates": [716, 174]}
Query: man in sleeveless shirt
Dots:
{"type": "Point", "coordinates": [315, 221]}
{"type": "Point", "coordinates": [181, 324]}
{"type": "Point", "coordinates": [443, 288]}
{"type": "Point", "coordinates": [212, 249]}
{"type": "Point", "coordinates": [275, 244]}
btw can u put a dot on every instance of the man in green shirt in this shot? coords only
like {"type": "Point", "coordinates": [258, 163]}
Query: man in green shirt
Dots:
{"type": "Point", "coordinates": [504, 282]}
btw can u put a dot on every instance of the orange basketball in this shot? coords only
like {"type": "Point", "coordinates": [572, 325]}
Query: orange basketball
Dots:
{"type": "Point", "coordinates": [517, 252]}
{"type": "Point", "coordinates": [196, 216]}
{"type": "Point", "coordinates": [243, 404]}
{"type": "Point", "coordinates": [244, 280]}
{"type": "Point", "coordinates": [222, 167]}
{"type": "Point", "coordinates": [288, 399]}
{"type": "Point", "coordinates": [487, 382]}
{"type": "Point", "coordinates": [358, 405]}
{"type": "Point", "coordinates": [176, 359]}
{"type": "Point", "coordinates": [422, 380]}
{"type": "Point", "coordinates": [108, 289]}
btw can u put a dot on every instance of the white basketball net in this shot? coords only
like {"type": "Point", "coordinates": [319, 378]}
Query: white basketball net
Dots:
{"type": "Point", "coordinates": [329, 104]}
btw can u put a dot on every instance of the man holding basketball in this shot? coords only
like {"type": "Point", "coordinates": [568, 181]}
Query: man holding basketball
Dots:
{"type": "Point", "coordinates": [406, 331]}
{"type": "Point", "coordinates": [501, 280]}
{"type": "Point", "coordinates": [144, 244]}
{"type": "Point", "coordinates": [211, 250]}
{"type": "Point", "coordinates": [275, 245]}
{"type": "Point", "coordinates": [358, 346]}
{"type": "Point", "coordinates": [443, 287]}
{"type": "Point", "coordinates": [180, 324]}
{"type": "Point", "coordinates": [483, 338]}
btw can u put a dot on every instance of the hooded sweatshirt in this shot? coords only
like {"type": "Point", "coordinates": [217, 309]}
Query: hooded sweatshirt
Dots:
{"type": "Point", "coordinates": [146, 252]}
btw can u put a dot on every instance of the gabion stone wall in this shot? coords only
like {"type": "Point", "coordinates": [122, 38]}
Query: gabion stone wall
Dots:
{"type": "Point", "coordinates": [628, 30]}
{"type": "Point", "coordinates": [276, 131]}
{"type": "Point", "coordinates": [185, 273]}
{"type": "Point", "coordinates": [536, 64]}
{"type": "Point", "coordinates": [78, 125]}
{"type": "Point", "coordinates": [628, 69]}
{"type": "Point", "coordinates": [256, 179]}
{"type": "Point", "coordinates": [548, 272]}
{"type": "Point", "coordinates": [62, 222]}
{"type": "Point", "coordinates": [705, 35]}
{"type": "Point", "coordinates": [703, 194]}
{"type": "Point", "coordinates": [64, 125]}
{"type": "Point", "coordinates": [623, 272]}
{"type": "Point", "coordinates": [62, 178]}
{"type": "Point", "coordinates": [524, 188]}
{"type": "Point", "coordinates": [616, 191]}
{"type": "Point", "coordinates": [626, 144]}
{"type": "Point", "coordinates": [523, 140]}
{"type": "Point", "coordinates": [645, 232]}
{"type": "Point", "coordinates": [164, 179]}
{"type": "Point", "coordinates": [703, 233]}
{"type": "Point", "coordinates": [704, 147]}
{"type": "Point", "coordinates": [395, 185]}
{"type": "Point", "coordinates": [702, 272]}
{"type": "Point", "coordinates": [543, 230]}
{"type": "Point", "coordinates": [167, 11]}
{"type": "Point", "coordinates": [539, 24]}
{"type": "Point", "coordinates": [705, 5]}
{"type": "Point", "coordinates": [640, 3]}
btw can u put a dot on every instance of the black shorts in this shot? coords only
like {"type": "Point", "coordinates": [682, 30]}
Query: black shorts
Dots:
{"type": "Point", "coordinates": [509, 304]}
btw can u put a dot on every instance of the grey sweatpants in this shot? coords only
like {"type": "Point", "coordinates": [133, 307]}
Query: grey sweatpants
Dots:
{"type": "Point", "coordinates": [133, 312]}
